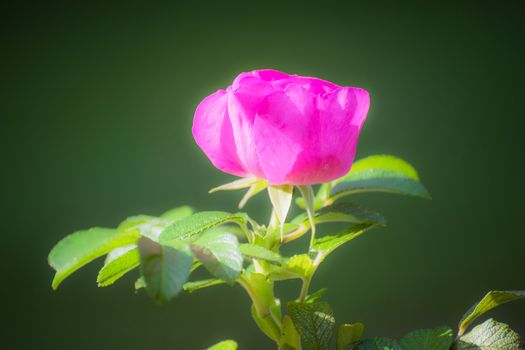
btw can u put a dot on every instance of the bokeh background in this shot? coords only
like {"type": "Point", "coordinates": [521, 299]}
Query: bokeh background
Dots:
{"type": "Point", "coordinates": [97, 103]}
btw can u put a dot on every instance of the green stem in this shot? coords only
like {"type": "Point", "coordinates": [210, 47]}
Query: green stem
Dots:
{"type": "Point", "coordinates": [299, 232]}
{"type": "Point", "coordinates": [312, 238]}
{"type": "Point", "coordinates": [259, 306]}
{"type": "Point", "coordinates": [304, 289]}
{"type": "Point", "coordinates": [262, 308]}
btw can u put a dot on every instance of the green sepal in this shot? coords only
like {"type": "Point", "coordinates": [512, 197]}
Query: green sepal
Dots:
{"type": "Point", "coordinates": [307, 193]}
{"type": "Point", "coordinates": [238, 184]}
{"type": "Point", "coordinates": [281, 198]}
{"type": "Point", "coordinates": [252, 191]}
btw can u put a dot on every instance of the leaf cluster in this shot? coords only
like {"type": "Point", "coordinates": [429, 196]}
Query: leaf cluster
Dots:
{"type": "Point", "coordinates": [235, 249]}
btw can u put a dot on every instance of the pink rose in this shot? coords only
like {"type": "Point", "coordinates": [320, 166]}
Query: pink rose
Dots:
{"type": "Point", "coordinates": [284, 128]}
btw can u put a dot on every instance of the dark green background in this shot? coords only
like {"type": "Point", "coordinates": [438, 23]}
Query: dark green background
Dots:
{"type": "Point", "coordinates": [97, 103]}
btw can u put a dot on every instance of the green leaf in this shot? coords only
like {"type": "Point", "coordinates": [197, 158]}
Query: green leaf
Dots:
{"type": "Point", "coordinates": [281, 198]}
{"type": "Point", "coordinates": [384, 162]}
{"type": "Point", "coordinates": [82, 247]}
{"type": "Point", "coordinates": [314, 322]}
{"type": "Point", "coordinates": [380, 173]}
{"type": "Point", "coordinates": [224, 345]}
{"type": "Point", "coordinates": [140, 283]}
{"type": "Point", "coordinates": [118, 262]}
{"type": "Point", "coordinates": [312, 298]}
{"type": "Point", "coordinates": [289, 334]}
{"type": "Point", "coordinates": [347, 212]}
{"type": "Point", "coordinates": [378, 180]}
{"type": "Point", "coordinates": [196, 285]}
{"type": "Point", "coordinates": [490, 335]}
{"type": "Point", "coordinates": [379, 343]}
{"type": "Point", "coordinates": [178, 213]}
{"type": "Point", "coordinates": [298, 266]}
{"type": "Point", "coordinates": [489, 301]}
{"type": "Point", "coordinates": [165, 269]}
{"type": "Point", "coordinates": [192, 226]}
{"type": "Point", "coordinates": [237, 184]}
{"type": "Point", "coordinates": [327, 244]}
{"type": "Point", "coordinates": [258, 252]}
{"type": "Point", "coordinates": [440, 338]}
{"type": "Point", "coordinates": [133, 221]}
{"type": "Point", "coordinates": [153, 228]}
{"type": "Point", "coordinates": [349, 335]}
{"type": "Point", "coordinates": [219, 253]}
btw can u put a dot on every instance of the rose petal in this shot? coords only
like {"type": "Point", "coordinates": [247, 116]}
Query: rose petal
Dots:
{"type": "Point", "coordinates": [213, 133]}
{"type": "Point", "coordinates": [314, 85]}
{"type": "Point", "coordinates": [243, 103]}
{"type": "Point", "coordinates": [330, 154]}
{"type": "Point", "coordinates": [283, 122]}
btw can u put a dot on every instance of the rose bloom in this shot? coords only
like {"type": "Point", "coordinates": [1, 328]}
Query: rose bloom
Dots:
{"type": "Point", "coordinates": [284, 128]}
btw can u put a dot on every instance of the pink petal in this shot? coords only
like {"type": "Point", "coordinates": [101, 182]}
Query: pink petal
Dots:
{"type": "Point", "coordinates": [270, 74]}
{"type": "Point", "coordinates": [330, 155]}
{"type": "Point", "coordinates": [314, 85]}
{"type": "Point", "coordinates": [284, 121]}
{"type": "Point", "coordinates": [213, 133]}
{"type": "Point", "coordinates": [243, 103]}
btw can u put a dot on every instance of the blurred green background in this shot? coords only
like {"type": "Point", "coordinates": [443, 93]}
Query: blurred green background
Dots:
{"type": "Point", "coordinates": [97, 104]}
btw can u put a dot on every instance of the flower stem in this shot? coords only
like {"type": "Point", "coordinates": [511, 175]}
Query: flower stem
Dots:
{"type": "Point", "coordinates": [304, 289]}
{"type": "Point", "coordinates": [301, 230]}
{"type": "Point", "coordinates": [264, 302]}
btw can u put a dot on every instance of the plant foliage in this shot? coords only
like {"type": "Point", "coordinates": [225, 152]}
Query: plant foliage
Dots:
{"type": "Point", "coordinates": [235, 249]}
